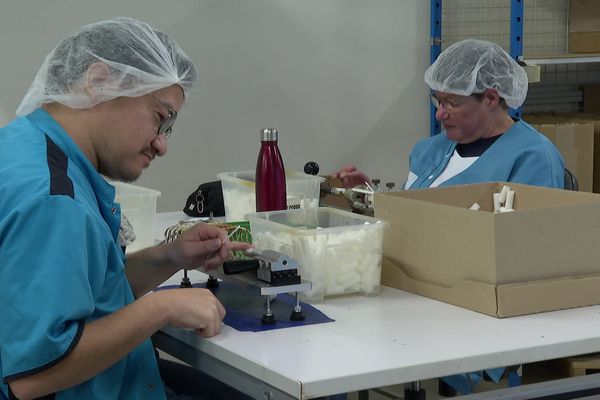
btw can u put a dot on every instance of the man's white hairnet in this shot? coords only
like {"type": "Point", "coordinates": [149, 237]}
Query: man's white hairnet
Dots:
{"type": "Point", "coordinates": [140, 60]}
{"type": "Point", "coordinates": [472, 66]}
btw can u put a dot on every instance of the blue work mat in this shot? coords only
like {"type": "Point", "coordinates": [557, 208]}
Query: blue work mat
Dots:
{"type": "Point", "coordinates": [245, 308]}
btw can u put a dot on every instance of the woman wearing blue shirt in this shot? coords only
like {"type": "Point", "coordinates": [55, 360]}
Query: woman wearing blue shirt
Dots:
{"type": "Point", "coordinates": [473, 83]}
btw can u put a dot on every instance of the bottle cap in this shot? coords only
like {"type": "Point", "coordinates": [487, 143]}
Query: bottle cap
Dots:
{"type": "Point", "coordinates": [269, 135]}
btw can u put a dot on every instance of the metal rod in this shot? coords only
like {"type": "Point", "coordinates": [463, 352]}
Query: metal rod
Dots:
{"type": "Point", "coordinates": [297, 308]}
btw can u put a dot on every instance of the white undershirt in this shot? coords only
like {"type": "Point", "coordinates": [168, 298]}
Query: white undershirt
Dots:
{"type": "Point", "coordinates": [456, 165]}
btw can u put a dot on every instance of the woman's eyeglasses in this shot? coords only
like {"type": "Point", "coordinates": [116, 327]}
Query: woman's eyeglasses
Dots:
{"type": "Point", "coordinates": [447, 104]}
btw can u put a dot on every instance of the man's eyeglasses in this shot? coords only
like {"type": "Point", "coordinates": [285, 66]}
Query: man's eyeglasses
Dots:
{"type": "Point", "coordinates": [447, 104]}
{"type": "Point", "coordinates": [166, 125]}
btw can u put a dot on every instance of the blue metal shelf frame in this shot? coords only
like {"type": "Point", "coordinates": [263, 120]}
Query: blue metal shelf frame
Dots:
{"type": "Point", "coordinates": [516, 38]}
{"type": "Point", "coordinates": [434, 52]}
{"type": "Point", "coordinates": [516, 46]}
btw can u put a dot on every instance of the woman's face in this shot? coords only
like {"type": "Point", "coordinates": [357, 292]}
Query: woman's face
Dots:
{"type": "Point", "coordinates": [464, 117]}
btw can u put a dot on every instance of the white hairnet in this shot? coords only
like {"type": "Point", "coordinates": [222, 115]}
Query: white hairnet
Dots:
{"type": "Point", "coordinates": [140, 60]}
{"type": "Point", "coordinates": [471, 66]}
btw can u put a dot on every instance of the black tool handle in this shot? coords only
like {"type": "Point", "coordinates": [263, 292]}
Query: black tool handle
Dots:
{"type": "Point", "coordinates": [238, 266]}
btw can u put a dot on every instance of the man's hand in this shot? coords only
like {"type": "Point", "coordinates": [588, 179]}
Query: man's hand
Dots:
{"type": "Point", "coordinates": [196, 309]}
{"type": "Point", "coordinates": [351, 177]}
{"type": "Point", "coordinates": [203, 245]}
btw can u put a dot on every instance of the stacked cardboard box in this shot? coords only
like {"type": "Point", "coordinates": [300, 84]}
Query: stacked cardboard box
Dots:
{"type": "Point", "coordinates": [591, 98]}
{"type": "Point", "coordinates": [584, 26]}
{"type": "Point", "coordinates": [543, 256]}
{"type": "Point", "coordinates": [577, 136]}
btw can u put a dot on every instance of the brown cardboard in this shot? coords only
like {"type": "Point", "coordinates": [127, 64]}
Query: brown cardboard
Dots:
{"type": "Point", "coordinates": [591, 98]}
{"type": "Point", "coordinates": [584, 26]}
{"type": "Point", "coordinates": [575, 141]}
{"type": "Point", "coordinates": [544, 256]}
{"type": "Point", "coordinates": [577, 118]}
{"type": "Point", "coordinates": [584, 42]}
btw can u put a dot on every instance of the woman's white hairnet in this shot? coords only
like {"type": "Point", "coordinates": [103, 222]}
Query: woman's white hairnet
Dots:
{"type": "Point", "coordinates": [139, 58]}
{"type": "Point", "coordinates": [472, 66]}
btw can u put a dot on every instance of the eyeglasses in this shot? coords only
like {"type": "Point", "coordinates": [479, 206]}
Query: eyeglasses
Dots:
{"type": "Point", "coordinates": [166, 125]}
{"type": "Point", "coordinates": [448, 105]}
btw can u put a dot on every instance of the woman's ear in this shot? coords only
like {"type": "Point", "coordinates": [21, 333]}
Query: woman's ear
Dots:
{"type": "Point", "coordinates": [97, 77]}
{"type": "Point", "coordinates": [491, 96]}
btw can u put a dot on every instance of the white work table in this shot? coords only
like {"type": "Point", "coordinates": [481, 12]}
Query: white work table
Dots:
{"type": "Point", "coordinates": [393, 338]}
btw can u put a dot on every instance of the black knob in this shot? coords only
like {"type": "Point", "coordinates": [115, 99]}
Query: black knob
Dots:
{"type": "Point", "coordinates": [268, 319]}
{"type": "Point", "coordinates": [297, 316]}
{"type": "Point", "coordinates": [376, 181]}
{"type": "Point", "coordinates": [311, 168]}
{"type": "Point", "coordinates": [390, 185]}
{"type": "Point", "coordinates": [212, 282]}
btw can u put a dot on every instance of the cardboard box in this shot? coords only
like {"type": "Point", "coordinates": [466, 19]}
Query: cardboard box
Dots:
{"type": "Point", "coordinates": [575, 141]}
{"type": "Point", "coordinates": [584, 26]}
{"type": "Point", "coordinates": [543, 256]}
{"type": "Point", "coordinates": [576, 118]}
{"type": "Point", "coordinates": [591, 98]}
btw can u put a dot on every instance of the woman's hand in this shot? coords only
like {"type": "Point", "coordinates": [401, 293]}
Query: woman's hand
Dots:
{"type": "Point", "coordinates": [351, 177]}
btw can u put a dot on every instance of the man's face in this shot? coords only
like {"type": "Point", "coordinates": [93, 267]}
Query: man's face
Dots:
{"type": "Point", "coordinates": [464, 117]}
{"type": "Point", "coordinates": [129, 140]}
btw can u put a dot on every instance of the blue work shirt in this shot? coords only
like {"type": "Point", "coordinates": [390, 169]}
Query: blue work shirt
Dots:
{"type": "Point", "coordinates": [61, 263]}
{"type": "Point", "coordinates": [520, 155]}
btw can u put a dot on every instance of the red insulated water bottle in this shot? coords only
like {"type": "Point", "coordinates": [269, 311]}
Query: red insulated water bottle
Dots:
{"type": "Point", "coordinates": [270, 174]}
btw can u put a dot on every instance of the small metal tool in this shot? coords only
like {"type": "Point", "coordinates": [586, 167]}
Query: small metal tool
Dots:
{"type": "Point", "coordinates": [272, 267]}
{"type": "Point", "coordinates": [276, 273]}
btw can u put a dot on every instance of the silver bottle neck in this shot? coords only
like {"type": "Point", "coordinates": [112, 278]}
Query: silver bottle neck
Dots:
{"type": "Point", "coordinates": [269, 135]}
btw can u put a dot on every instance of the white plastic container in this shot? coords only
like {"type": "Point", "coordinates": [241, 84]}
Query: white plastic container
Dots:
{"type": "Point", "coordinates": [240, 199]}
{"type": "Point", "coordinates": [138, 204]}
{"type": "Point", "coordinates": [339, 252]}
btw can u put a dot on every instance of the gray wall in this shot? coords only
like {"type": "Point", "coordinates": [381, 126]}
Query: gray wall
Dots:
{"type": "Point", "coordinates": [340, 79]}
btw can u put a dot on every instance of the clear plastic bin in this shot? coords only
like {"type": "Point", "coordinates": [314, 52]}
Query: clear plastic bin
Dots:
{"type": "Point", "coordinates": [339, 252]}
{"type": "Point", "coordinates": [138, 204]}
{"type": "Point", "coordinates": [240, 199]}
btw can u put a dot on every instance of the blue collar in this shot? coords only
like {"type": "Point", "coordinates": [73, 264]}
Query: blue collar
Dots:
{"type": "Point", "coordinates": [45, 123]}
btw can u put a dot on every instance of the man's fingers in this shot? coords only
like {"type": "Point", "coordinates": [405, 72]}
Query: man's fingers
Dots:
{"type": "Point", "coordinates": [221, 310]}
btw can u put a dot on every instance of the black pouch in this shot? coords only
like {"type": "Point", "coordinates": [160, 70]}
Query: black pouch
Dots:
{"type": "Point", "coordinates": [206, 199]}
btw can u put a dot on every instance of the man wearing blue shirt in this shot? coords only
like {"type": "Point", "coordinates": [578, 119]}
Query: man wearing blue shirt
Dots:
{"type": "Point", "coordinates": [76, 320]}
